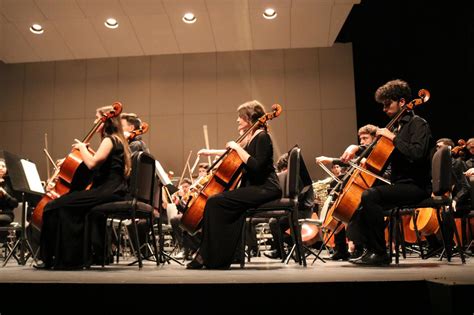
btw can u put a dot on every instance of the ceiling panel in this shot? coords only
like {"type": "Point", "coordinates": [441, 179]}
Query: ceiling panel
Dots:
{"type": "Point", "coordinates": [121, 41]}
{"type": "Point", "coordinates": [49, 46]}
{"type": "Point", "coordinates": [142, 7]}
{"type": "Point", "coordinates": [196, 37]}
{"type": "Point", "coordinates": [74, 29]}
{"type": "Point", "coordinates": [81, 37]}
{"type": "Point", "coordinates": [101, 8]}
{"type": "Point", "coordinates": [60, 9]}
{"type": "Point", "coordinates": [21, 10]}
{"type": "Point", "coordinates": [339, 15]}
{"type": "Point", "coordinates": [310, 25]}
{"type": "Point", "coordinates": [155, 34]}
{"type": "Point", "coordinates": [270, 34]}
{"type": "Point", "coordinates": [17, 48]}
{"type": "Point", "coordinates": [230, 24]}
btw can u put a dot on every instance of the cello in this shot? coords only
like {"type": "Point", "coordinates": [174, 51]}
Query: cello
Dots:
{"type": "Point", "coordinates": [226, 176]}
{"type": "Point", "coordinates": [73, 174]}
{"type": "Point", "coordinates": [348, 193]}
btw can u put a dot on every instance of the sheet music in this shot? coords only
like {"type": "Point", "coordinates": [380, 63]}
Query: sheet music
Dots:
{"type": "Point", "coordinates": [32, 176]}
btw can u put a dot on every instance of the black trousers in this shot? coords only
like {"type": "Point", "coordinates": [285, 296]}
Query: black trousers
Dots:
{"type": "Point", "coordinates": [367, 224]}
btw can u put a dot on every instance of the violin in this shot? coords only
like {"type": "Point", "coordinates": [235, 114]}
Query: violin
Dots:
{"type": "Point", "coordinates": [72, 174]}
{"type": "Point", "coordinates": [137, 132]}
{"type": "Point", "coordinates": [460, 149]}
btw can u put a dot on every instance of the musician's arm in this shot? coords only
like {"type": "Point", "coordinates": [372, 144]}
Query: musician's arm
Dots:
{"type": "Point", "coordinates": [263, 154]}
{"type": "Point", "coordinates": [93, 161]}
{"type": "Point", "coordinates": [244, 156]}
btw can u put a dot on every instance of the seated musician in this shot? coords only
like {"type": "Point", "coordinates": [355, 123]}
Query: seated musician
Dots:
{"type": "Point", "coordinates": [62, 233]}
{"type": "Point", "coordinates": [366, 137]}
{"type": "Point", "coordinates": [223, 213]}
{"type": "Point", "coordinates": [470, 158]}
{"type": "Point", "coordinates": [130, 124]}
{"type": "Point", "coordinates": [305, 209]}
{"type": "Point", "coordinates": [186, 242]}
{"type": "Point", "coordinates": [7, 201]}
{"type": "Point", "coordinates": [410, 174]}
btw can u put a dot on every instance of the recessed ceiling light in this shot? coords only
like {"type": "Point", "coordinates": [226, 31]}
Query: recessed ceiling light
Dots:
{"type": "Point", "coordinates": [111, 23]}
{"type": "Point", "coordinates": [189, 18]}
{"type": "Point", "coordinates": [269, 14]}
{"type": "Point", "coordinates": [36, 29]}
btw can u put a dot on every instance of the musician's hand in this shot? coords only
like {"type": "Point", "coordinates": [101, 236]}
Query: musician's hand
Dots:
{"type": "Point", "coordinates": [79, 145]}
{"type": "Point", "coordinates": [453, 204]}
{"type": "Point", "coordinates": [233, 145]}
{"type": "Point", "coordinates": [60, 162]}
{"type": "Point", "coordinates": [324, 159]}
{"type": "Point", "coordinates": [469, 172]}
{"type": "Point", "coordinates": [385, 133]}
{"type": "Point", "coordinates": [349, 153]}
{"type": "Point", "coordinates": [204, 152]}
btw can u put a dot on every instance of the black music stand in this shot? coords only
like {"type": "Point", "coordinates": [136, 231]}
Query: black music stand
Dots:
{"type": "Point", "coordinates": [27, 187]}
{"type": "Point", "coordinates": [163, 181]}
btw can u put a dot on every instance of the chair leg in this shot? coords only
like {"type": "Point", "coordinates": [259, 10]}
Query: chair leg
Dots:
{"type": "Point", "coordinates": [137, 241]}
{"type": "Point", "coordinates": [443, 236]}
{"type": "Point", "coordinates": [417, 233]}
{"type": "Point", "coordinates": [153, 238]}
{"type": "Point", "coordinates": [242, 244]}
{"type": "Point", "coordinates": [296, 235]}
{"type": "Point", "coordinates": [326, 241]}
{"type": "Point", "coordinates": [456, 234]}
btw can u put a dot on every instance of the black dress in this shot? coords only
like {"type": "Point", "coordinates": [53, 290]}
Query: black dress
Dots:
{"type": "Point", "coordinates": [224, 212]}
{"type": "Point", "coordinates": [62, 233]}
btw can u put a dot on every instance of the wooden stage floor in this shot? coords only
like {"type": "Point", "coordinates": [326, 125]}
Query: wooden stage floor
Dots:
{"type": "Point", "coordinates": [445, 288]}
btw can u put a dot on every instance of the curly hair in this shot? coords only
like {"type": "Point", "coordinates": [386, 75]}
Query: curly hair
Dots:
{"type": "Point", "coordinates": [393, 90]}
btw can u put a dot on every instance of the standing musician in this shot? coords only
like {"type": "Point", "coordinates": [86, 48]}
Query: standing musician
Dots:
{"type": "Point", "coordinates": [62, 233]}
{"type": "Point", "coordinates": [224, 212]}
{"type": "Point", "coordinates": [367, 135]}
{"type": "Point", "coordinates": [410, 174]}
{"type": "Point", "coordinates": [130, 124]}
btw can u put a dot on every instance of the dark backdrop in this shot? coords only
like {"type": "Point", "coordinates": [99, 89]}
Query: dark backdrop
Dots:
{"type": "Point", "coordinates": [429, 44]}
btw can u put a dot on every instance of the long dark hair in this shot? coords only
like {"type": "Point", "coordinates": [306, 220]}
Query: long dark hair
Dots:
{"type": "Point", "coordinates": [113, 128]}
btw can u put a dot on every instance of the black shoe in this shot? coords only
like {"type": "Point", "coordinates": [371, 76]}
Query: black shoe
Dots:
{"type": "Point", "coordinates": [196, 263]}
{"type": "Point", "coordinates": [358, 256]}
{"type": "Point", "coordinates": [357, 253]}
{"type": "Point", "coordinates": [273, 254]}
{"type": "Point", "coordinates": [374, 259]}
{"type": "Point", "coordinates": [340, 255]}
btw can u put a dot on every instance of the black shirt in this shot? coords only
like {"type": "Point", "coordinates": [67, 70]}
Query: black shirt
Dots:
{"type": "Point", "coordinates": [411, 158]}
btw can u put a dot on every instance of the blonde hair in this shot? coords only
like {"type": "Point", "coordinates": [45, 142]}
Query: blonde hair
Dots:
{"type": "Point", "coordinates": [113, 128]}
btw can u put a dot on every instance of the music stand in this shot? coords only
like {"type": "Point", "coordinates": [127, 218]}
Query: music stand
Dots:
{"type": "Point", "coordinates": [26, 186]}
{"type": "Point", "coordinates": [163, 181]}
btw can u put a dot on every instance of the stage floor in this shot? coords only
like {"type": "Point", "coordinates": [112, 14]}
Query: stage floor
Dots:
{"type": "Point", "coordinates": [415, 286]}
{"type": "Point", "coordinates": [259, 270]}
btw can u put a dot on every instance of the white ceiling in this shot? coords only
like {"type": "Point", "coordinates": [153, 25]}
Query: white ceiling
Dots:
{"type": "Point", "coordinates": [74, 29]}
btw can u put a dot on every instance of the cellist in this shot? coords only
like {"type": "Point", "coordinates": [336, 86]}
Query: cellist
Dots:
{"type": "Point", "coordinates": [410, 175]}
{"type": "Point", "coordinates": [62, 233]}
{"type": "Point", "coordinates": [223, 212]}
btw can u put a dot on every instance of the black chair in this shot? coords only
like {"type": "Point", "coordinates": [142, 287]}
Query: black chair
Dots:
{"type": "Point", "coordinates": [441, 170]}
{"type": "Point", "coordinates": [287, 206]}
{"type": "Point", "coordinates": [138, 206]}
